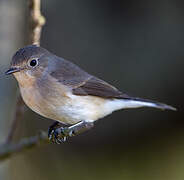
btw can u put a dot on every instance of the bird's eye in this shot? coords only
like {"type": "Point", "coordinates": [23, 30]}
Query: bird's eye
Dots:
{"type": "Point", "coordinates": [33, 62]}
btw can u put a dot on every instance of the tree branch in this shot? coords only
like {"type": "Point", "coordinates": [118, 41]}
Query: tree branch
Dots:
{"type": "Point", "coordinates": [7, 150]}
{"type": "Point", "coordinates": [36, 21]}
{"type": "Point", "coordinates": [16, 118]}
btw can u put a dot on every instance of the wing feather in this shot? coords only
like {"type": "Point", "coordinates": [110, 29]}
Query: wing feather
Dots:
{"type": "Point", "coordinates": [98, 87]}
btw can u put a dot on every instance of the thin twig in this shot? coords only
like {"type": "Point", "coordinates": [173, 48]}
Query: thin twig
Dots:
{"type": "Point", "coordinates": [17, 117]}
{"type": "Point", "coordinates": [9, 150]}
{"type": "Point", "coordinates": [36, 23]}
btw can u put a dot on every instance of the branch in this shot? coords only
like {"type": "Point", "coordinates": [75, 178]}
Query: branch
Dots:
{"type": "Point", "coordinates": [7, 150]}
{"type": "Point", "coordinates": [36, 23]}
{"type": "Point", "coordinates": [16, 118]}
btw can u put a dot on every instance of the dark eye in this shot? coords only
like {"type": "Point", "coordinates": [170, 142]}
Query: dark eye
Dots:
{"type": "Point", "coordinates": [33, 63]}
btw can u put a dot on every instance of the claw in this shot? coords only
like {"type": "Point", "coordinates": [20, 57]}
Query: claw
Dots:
{"type": "Point", "coordinates": [58, 135]}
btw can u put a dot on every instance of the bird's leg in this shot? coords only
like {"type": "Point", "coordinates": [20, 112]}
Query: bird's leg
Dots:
{"type": "Point", "coordinates": [58, 134]}
{"type": "Point", "coordinates": [52, 132]}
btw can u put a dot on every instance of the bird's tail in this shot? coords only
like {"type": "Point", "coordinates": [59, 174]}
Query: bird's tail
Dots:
{"type": "Point", "coordinates": [134, 102]}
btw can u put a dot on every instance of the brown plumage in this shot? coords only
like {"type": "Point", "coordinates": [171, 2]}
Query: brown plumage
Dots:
{"type": "Point", "coordinates": [59, 89]}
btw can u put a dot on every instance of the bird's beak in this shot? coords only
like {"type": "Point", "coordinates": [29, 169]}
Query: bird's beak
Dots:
{"type": "Point", "coordinates": [12, 70]}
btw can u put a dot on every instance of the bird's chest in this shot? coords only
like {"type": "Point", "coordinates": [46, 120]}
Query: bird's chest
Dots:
{"type": "Point", "coordinates": [45, 102]}
{"type": "Point", "coordinates": [68, 108]}
{"type": "Point", "coordinates": [55, 101]}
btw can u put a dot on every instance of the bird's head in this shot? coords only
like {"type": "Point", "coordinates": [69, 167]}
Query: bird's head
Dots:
{"type": "Point", "coordinates": [29, 63]}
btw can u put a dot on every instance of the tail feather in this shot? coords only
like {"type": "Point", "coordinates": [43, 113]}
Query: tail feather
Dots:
{"type": "Point", "coordinates": [150, 103]}
{"type": "Point", "coordinates": [131, 102]}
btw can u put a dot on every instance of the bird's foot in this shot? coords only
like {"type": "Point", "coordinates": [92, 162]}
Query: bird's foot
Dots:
{"type": "Point", "coordinates": [58, 134]}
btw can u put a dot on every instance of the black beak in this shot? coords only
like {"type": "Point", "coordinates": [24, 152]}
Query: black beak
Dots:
{"type": "Point", "coordinates": [12, 70]}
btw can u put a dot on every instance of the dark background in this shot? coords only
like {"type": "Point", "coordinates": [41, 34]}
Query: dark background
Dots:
{"type": "Point", "coordinates": [136, 45]}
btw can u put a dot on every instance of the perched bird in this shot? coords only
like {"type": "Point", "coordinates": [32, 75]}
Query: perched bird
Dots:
{"type": "Point", "coordinates": [59, 90]}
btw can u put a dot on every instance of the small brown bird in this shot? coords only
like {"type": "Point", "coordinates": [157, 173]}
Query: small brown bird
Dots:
{"type": "Point", "coordinates": [58, 89]}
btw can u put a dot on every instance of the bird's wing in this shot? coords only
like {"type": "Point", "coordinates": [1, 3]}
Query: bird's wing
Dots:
{"type": "Point", "coordinates": [97, 87]}
{"type": "Point", "coordinates": [81, 82]}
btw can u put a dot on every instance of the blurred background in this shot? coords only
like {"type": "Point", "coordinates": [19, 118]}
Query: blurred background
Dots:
{"type": "Point", "coordinates": [136, 45]}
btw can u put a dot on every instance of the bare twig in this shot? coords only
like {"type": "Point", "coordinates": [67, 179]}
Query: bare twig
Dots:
{"type": "Point", "coordinates": [7, 149]}
{"type": "Point", "coordinates": [36, 21]}
{"type": "Point", "coordinates": [17, 116]}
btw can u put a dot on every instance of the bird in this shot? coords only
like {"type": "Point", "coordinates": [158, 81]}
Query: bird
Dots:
{"type": "Point", "coordinates": [60, 90]}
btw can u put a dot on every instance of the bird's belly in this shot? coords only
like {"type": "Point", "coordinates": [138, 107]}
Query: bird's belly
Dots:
{"type": "Point", "coordinates": [68, 109]}
{"type": "Point", "coordinates": [80, 108]}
